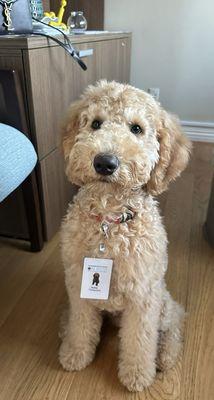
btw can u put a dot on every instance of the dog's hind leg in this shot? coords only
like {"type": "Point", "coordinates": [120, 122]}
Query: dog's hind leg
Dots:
{"type": "Point", "coordinates": [170, 334]}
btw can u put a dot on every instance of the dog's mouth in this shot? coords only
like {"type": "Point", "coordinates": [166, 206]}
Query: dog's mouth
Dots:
{"type": "Point", "coordinates": [106, 179]}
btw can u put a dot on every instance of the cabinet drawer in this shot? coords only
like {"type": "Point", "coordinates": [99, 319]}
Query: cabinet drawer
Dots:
{"type": "Point", "coordinates": [51, 80]}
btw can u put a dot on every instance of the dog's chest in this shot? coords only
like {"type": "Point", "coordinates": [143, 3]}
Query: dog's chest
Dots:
{"type": "Point", "coordinates": [137, 247]}
{"type": "Point", "coordinates": [134, 248]}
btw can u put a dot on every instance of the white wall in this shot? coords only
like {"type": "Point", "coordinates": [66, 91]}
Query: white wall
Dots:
{"type": "Point", "coordinates": [173, 49]}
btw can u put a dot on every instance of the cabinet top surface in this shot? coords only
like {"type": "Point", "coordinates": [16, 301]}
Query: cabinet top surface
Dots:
{"type": "Point", "coordinates": [33, 41]}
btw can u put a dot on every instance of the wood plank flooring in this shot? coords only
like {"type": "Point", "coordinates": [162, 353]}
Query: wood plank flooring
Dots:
{"type": "Point", "coordinates": [32, 296]}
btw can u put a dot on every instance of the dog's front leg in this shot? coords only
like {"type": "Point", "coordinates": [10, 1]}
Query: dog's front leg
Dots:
{"type": "Point", "coordinates": [81, 336]}
{"type": "Point", "coordinates": [138, 345]}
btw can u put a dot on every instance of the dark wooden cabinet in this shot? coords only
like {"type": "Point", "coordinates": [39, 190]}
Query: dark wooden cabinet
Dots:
{"type": "Point", "coordinates": [51, 81]}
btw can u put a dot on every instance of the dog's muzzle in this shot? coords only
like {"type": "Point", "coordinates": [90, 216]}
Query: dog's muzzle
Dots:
{"type": "Point", "coordinates": [106, 164]}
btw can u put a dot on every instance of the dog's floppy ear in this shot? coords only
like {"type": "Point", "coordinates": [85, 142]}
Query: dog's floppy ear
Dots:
{"type": "Point", "coordinates": [174, 154]}
{"type": "Point", "coordinates": [70, 126]}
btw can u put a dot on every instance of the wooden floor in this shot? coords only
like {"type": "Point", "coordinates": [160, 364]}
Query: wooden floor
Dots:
{"type": "Point", "coordinates": [32, 296]}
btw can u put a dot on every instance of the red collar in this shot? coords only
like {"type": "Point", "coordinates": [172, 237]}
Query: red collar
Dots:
{"type": "Point", "coordinates": [118, 219]}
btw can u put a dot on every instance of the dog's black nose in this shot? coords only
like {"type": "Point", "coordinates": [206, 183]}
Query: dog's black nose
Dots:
{"type": "Point", "coordinates": [106, 164]}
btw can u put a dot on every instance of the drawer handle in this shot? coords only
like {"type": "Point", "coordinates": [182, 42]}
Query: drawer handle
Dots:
{"type": "Point", "coordinates": [85, 53]}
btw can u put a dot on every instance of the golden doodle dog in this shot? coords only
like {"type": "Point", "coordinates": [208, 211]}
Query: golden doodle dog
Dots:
{"type": "Point", "coordinates": [122, 149]}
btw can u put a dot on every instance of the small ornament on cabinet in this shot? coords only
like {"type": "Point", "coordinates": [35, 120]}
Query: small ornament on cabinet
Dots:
{"type": "Point", "coordinates": [52, 19]}
{"type": "Point", "coordinates": [77, 23]}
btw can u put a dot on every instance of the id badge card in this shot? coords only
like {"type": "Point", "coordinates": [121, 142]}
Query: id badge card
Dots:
{"type": "Point", "coordinates": [96, 278]}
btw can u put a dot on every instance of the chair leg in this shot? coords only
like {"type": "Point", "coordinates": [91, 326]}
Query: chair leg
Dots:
{"type": "Point", "coordinates": [32, 207]}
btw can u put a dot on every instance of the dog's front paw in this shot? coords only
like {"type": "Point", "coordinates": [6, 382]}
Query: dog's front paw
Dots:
{"type": "Point", "coordinates": [74, 359]}
{"type": "Point", "coordinates": [135, 379]}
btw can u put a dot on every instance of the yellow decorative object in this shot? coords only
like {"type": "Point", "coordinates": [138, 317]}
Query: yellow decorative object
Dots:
{"type": "Point", "coordinates": [56, 20]}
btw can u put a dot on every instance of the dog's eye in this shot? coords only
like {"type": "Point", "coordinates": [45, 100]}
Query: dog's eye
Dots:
{"type": "Point", "coordinates": [96, 124]}
{"type": "Point", "coordinates": [136, 129]}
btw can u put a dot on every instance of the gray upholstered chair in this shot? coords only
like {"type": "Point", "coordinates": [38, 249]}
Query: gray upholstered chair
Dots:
{"type": "Point", "coordinates": [17, 155]}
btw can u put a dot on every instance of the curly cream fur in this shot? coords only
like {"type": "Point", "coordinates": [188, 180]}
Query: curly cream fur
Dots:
{"type": "Point", "coordinates": [151, 322]}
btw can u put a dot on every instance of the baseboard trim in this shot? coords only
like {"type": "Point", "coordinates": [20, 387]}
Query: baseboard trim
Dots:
{"type": "Point", "coordinates": [199, 131]}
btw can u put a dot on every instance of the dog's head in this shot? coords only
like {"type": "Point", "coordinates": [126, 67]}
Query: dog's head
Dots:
{"type": "Point", "coordinates": [119, 134]}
